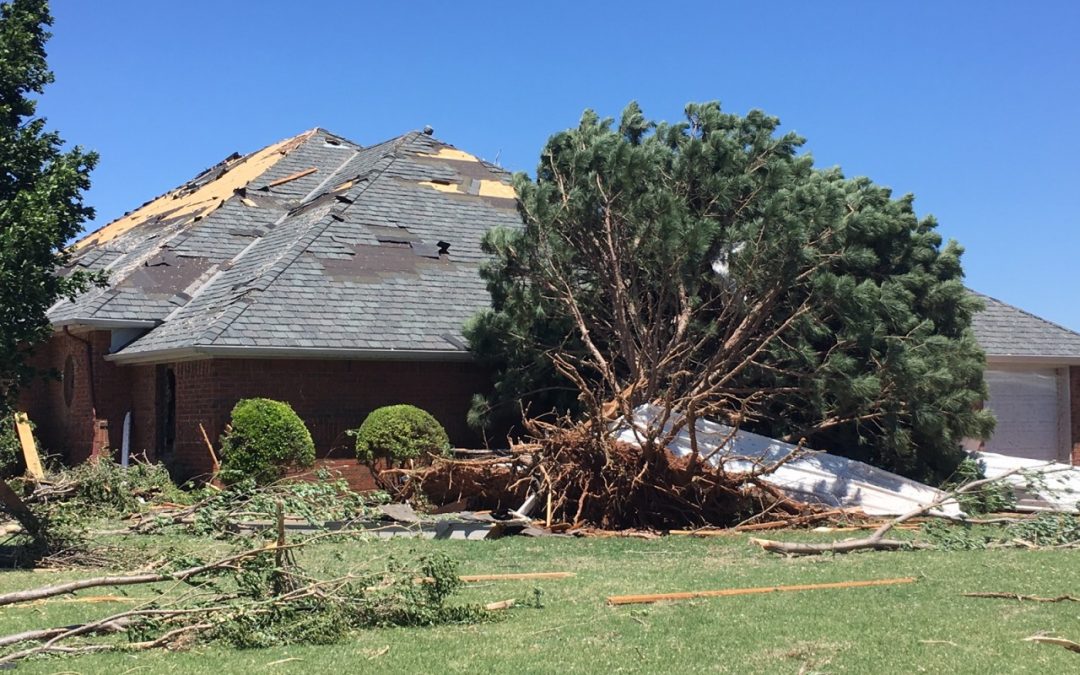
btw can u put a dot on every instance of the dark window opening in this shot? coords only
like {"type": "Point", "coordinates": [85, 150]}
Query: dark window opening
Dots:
{"type": "Point", "coordinates": [166, 410]}
{"type": "Point", "coordinates": [69, 380]}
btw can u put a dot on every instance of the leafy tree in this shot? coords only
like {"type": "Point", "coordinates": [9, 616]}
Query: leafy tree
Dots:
{"type": "Point", "coordinates": [41, 205]}
{"type": "Point", "coordinates": [710, 267]}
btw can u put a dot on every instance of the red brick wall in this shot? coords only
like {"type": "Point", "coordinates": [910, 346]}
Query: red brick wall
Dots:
{"type": "Point", "coordinates": [1074, 411]}
{"type": "Point", "coordinates": [330, 396]}
{"type": "Point", "coordinates": [67, 429]}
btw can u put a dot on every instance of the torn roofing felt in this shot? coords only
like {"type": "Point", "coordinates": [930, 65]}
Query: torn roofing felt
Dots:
{"type": "Point", "coordinates": [312, 244]}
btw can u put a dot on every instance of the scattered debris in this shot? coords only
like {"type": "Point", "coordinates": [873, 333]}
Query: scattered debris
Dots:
{"type": "Point", "coordinates": [291, 177]}
{"type": "Point", "coordinates": [29, 447]}
{"type": "Point", "coordinates": [1061, 642]}
{"type": "Point", "coordinates": [660, 597]}
{"type": "Point", "coordinates": [253, 598]}
{"type": "Point", "coordinates": [1039, 486]}
{"type": "Point", "coordinates": [521, 576]}
{"type": "Point", "coordinates": [817, 477]}
{"type": "Point", "coordinates": [876, 541]}
{"type": "Point", "coordinates": [502, 604]}
{"type": "Point", "coordinates": [599, 482]}
{"type": "Point", "coordinates": [1025, 598]}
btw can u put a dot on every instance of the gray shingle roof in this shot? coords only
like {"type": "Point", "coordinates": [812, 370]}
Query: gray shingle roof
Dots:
{"type": "Point", "coordinates": [1004, 330]}
{"type": "Point", "coordinates": [377, 250]}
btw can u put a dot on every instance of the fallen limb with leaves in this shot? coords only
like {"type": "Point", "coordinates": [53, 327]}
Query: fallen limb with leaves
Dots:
{"type": "Point", "coordinates": [251, 598]}
{"type": "Point", "coordinates": [877, 540]}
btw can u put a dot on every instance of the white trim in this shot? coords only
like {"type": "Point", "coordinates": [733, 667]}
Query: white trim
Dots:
{"type": "Point", "coordinates": [1064, 417]}
{"type": "Point", "coordinates": [106, 323]}
{"type": "Point", "coordinates": [193, 353]}
{"type": "Point", "coordinates": [1045, 361]}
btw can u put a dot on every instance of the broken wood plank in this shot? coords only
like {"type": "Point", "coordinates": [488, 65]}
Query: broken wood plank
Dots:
{"type": "Point", "coordinates": [29, 447]}
{"type": "Point", "coordinates": [1028, 598]}
{"type": "Point", "coordinates": [502, 604]}
{"type": "Point", "coordinates": [658, 597]}
{"type": "Point", "coordinates": [291, 177]}
{"type": "Point", "coordinates": [1060, 642]}
{"type": "Point", "coordinates": [210, 446]}
{"type": "Point", "coordinates": [522, 576]}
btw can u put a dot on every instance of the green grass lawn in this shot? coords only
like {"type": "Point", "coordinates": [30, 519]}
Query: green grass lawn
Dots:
{"type": "Point", "coordinates": [922, 627]}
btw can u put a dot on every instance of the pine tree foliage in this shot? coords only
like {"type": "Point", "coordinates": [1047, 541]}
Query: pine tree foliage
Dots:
{"type": "Point", "coordinates": [41, 188]}
{"type": "Point", "coordinates": [708, 265]}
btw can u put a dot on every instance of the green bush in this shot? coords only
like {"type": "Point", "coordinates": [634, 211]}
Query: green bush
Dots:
{"type": "Point", "coordinates": [399, 432]}
{"type": "Point", "coordinates": [264, 440]}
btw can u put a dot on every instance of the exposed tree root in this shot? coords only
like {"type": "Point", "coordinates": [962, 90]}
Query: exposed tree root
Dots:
{"type": "Point", "coordinates": [595, 481]}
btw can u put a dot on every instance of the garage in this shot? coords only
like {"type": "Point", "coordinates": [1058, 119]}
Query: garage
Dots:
{"type": "Point", "coordinates": [1033, 377]}
{"type": "Point", "coordinates": [1031, 413]}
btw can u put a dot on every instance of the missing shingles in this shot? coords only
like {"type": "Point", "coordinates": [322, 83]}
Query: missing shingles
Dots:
{"type": "Point", "coordinates": [455, 341]}
{"type": "Point", "coordinates": [374, 263]}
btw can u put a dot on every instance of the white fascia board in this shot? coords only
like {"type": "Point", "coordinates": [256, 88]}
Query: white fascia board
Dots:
{"type": "Point", "coordinates": [220, 352]}
{"type": "Point", "coordinates": [1021, 360]}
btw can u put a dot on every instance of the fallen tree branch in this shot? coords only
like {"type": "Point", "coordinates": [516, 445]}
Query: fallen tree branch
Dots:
{"type": "Point", "coordinates": [877, 541]}
{"type": "Point", "coordinates": [1060, 642]}
{"type": "Point", "coordinates": [1027, 598]}
{"type": "Point", "coordinates": [130, 579]}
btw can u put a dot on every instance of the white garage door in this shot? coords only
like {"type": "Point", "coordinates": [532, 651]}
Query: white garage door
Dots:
{"type": "Point", "coordinates": [1028, 408]}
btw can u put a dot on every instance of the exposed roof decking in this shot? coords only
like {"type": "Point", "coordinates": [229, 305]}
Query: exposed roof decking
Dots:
{"type": "Point", "coordinates": [377, 250]}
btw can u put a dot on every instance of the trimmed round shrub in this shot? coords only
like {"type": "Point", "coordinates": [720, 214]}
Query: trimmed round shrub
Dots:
{"type": "Point", "coordinates": [400, 432]}
{"type": "Point", "coordinates": [265, 439]}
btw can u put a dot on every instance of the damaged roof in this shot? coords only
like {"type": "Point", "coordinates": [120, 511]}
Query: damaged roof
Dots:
{"type": "Point", "coordinates": [314, 245]}
{"type": "Point", "coordinates": [318, 246]}
{"type": "Point", "coordinates": [1006, 331]}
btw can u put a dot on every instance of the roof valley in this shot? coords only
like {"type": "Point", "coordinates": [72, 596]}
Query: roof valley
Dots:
{"type": "Point", "coordinates": [270, 273]}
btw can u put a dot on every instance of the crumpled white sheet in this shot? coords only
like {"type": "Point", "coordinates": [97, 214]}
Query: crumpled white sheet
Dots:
{"type": "Point", "coordinates": [815, 477]}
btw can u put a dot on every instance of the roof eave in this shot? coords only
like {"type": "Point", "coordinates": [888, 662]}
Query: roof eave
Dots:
{"type": "Point", "coordinates": [1026, 359]}
{"type": "Point", "coordinates": [241, 352]}
{"type": "Point", "coordinates": [106, 323]}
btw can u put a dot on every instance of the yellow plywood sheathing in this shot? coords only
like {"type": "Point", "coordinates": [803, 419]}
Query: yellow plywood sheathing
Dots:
{"type": "Point", "coordinates": [452, 153]}
{"type": "Point", "coordinates": [493, 188]}
{"type": "Point", "coordinates": [249, 202]}
{"type": "Point", "coordinates": [202, 200]}
{"type": "Point", "coordinates": [29, 447]}
{"type": "Point", "coordinates": [488, 188]}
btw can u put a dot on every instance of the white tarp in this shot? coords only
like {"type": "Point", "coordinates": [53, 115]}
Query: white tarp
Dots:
{"type": "Point", "coordinates": [1055, 487]}
{"type": "Point", "coordinates": [817, 477]}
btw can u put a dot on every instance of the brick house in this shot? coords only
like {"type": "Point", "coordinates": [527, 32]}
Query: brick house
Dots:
{"type": "Point", "coordinates": [337, 278]}
{"type": "Point", "coordinates": [316, 271]}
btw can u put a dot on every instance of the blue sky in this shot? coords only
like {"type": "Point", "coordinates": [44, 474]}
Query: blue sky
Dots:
{"type": "Point", "coordinates": [973, 107]}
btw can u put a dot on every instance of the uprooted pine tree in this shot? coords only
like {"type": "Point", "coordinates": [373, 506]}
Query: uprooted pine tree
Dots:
{"type": "Point", "coordinates": [709, 267]}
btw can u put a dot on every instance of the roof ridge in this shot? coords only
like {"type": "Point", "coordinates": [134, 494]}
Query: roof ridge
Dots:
{"type": "Point", "coordinates": [189, 188]}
